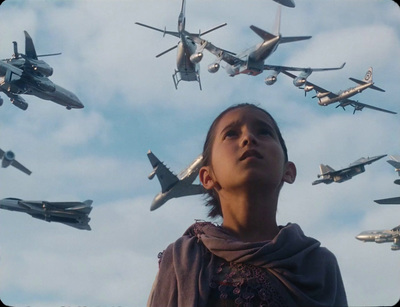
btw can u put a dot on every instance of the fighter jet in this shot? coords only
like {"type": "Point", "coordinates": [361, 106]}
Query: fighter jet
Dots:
{"type": "Point", "coordinates": [8, 158]}
{"type": "Point", "coordinates": [382, 236]}
{"type": "Point", "coordinates": [188, 54]}
{"type": "Point", "coordinates": [74, 214]}
{"type": "Point", "coordinates": [173, 186]}
{"type": "Point", "coordinates": [25, 74]}
{"type": "Point", "coordinates": [330, 175]}
{"type": "Point", "coordinates": [395, 162]}
{"type": "Point", "coordinates": [326, 97]}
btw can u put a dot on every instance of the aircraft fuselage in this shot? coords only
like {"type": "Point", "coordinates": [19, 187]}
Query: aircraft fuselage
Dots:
{"type": "Point", "coordinates": [324, 101]}
{"type": "Point", "coordinates": [254, 59]}
{"type": "Point", "coordinates": [188, 70]}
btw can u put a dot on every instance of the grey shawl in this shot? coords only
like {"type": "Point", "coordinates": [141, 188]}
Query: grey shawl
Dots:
{"type": "Point", "coordinates": [309, 274]}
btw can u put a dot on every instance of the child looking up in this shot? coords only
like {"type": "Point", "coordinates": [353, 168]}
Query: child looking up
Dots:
{"type": "Point", "coordinates": [248, 260]}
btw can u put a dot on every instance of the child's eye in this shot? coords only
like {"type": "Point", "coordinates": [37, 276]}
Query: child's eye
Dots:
{"type": "Point", "coordinates": [230, 134]}
{"type": "Point", "coordinates": [264, 131]}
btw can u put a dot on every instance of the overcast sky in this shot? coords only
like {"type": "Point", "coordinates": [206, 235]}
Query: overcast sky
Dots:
{"type": "Point", "coordinates": [131, 106]}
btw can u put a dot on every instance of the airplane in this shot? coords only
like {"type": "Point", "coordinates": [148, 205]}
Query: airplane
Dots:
{"type": "Point", "coordinates": [8, 158]}
{"type": "Point", "coordinates": [395, 162]}
{"type": "Point", "coordinates": [188, 54]}
{"type": "Point", "coordinates": [330, 175]}
{"type": "Point", "coordinates": [382, 236]}
{"type": "Point", "coordinates": [74, 214]}
{"type": "Point", "coordinates": [252, 60]}
{"type": "Point", "coordinates": [173, 186]}
{"type": "Point", "coordinates": [326, 97]}
{"type": "Point", "coordinates": [27, 75]}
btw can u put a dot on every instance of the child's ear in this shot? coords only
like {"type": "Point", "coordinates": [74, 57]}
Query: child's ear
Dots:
{"type": "Point", "coordinates": [206, 177]}
{"type": "Point", "coordinates": [290, 172]}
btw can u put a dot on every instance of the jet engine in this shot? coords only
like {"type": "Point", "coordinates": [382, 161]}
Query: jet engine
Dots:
{"type": "Point", "coordinates": [152, 174]}
{"type": "Point", "coordinates": [19, 102]}
{"type": "Point", "coordinates": [213, 68]}
{"type": "Point", "coordinates": [299, 81]}
{"type": "Point", "coordinates": [271, 79]}
{"type": "Point", "coordinates": [196, 57]}
{"type": "Point", "coordinates": [8, 158]}
{"type": "Point", "coordinates": [43, 68]}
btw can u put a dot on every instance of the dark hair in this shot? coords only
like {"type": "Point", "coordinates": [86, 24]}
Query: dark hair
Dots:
{"type": "Point", "coordinates": [212, 197]}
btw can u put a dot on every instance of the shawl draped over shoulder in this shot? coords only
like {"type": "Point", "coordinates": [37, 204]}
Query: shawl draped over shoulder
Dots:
{"type": "Point", "coordinates": [308, 274]}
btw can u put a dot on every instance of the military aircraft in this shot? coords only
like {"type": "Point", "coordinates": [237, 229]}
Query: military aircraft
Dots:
{"type": "Point", "coordinates": [25, 74]}
{"type": "Point", "coordinates": [252, 60]}
{"type": "Point", "coordinates": [74, 214]}
{"type": "Point", "coordinates": [173, 186]}
{"type": "Point", "coordinates": [326, 97]}
{"type": "Point", "coordinates": [395, 162]}
{"type": "Point", "coordinates": [8, 158]}
{"type": "Point", "coordinates": [382, 236]}
{"type": "Point", "coordinates": [188, 53]}
{"type": "Point", "coordinates": [330, 175]}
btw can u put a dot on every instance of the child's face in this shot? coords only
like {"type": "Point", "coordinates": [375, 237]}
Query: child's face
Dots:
{"type": "Point", "coordinates": [246, 150]}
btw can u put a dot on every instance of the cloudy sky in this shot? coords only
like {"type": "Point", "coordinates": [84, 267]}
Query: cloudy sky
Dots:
{"type": "Point", "coordinates": [131, 106]}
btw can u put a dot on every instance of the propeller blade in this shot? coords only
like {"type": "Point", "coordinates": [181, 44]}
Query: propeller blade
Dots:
{"type": "Point", "coordinates": [164, 52]}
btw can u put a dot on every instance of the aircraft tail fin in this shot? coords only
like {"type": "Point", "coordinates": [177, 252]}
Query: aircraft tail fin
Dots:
{"type": "Point", "coordinates": [30, 50]}
{"type": "Point", "coordinates": [266, 36]}
{"type": "Point", "coordinates": [367, 80]}
{"type": "Point", "coordinates": [325, 169]}
{"type": "Point", "coordinates": [395, 162]}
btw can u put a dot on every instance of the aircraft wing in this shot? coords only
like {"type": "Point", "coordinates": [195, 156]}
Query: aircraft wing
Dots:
{"type": "Point", "coordinates": [284, 69]}
{"type": "Point", "coordinates": [315, 87]}
{"type": "Point", "coordinates": [387, 201]}
{"type": "Point", "coordinates": [165, 176]}
{"type": "Point", "coordinates": [19, 166]}
{"type": "Point", "coordinates": [224, 55]}
{"type": "Point", "coordinates": [358, 106]}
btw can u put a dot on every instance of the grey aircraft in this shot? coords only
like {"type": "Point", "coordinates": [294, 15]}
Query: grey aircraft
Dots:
{"type": "Point", "coordinates": [252, 60]}
{"type": "Point", "coordinates": [395, 162]}
{"type": "Point", "coordinates": [8, 158]}
{"type": "Point", "coordinates": [74, 214]}
{"type": "Point", "coordinates": [326, 97]}
{"type": "Point", "coordinates": [26, 74]}
{"type": "Point", "coordinates": [382, 236]}
{"type": "Point", "coordinates": [188, 54]}
{"type": "Point", "coordinates": [173, 186]}
{"type": "Point", "coordinates": [330, 175]}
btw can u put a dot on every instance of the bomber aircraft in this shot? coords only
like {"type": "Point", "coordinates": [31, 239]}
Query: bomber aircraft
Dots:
{"type": "Point", "coordinates": [173, 186]}
{"type": "Point", "coordinates": [326, 97]}
{"type": "Point", "coordinates": [382, 236]}
{"type": "Point", "coordinates": [395, 162]}
{"type": "Point", "coordinates": [73, 213]}
{"type": "Point", "coordinates": [330, 175]}
{"type": "Point", "coordinates": [252, 60]}
{"type": "Point", "coordinates": [188, 53]}
{"type": "Point", "coordinates": [25, 74]}
{"type": "Point", "coordinates": [8, 158]}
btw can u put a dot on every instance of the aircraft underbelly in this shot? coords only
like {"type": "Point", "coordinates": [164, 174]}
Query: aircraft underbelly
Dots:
{"type": "Point", "coordinates": [187, 69]}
